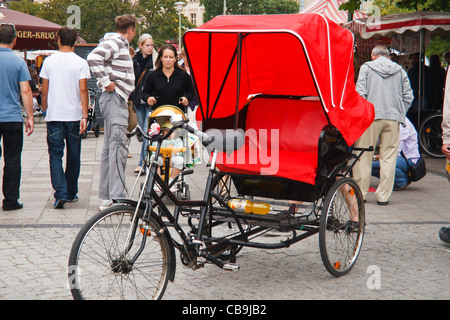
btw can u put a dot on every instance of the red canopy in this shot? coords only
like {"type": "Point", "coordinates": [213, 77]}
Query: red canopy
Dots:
{"type": "Point", "coordinates": [235, 57]}
{"type": "Point", "coordinates": [32, 32]}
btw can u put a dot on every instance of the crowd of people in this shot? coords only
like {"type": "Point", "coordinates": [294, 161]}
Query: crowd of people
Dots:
{"type": "Point", "coordinates": [142, 81]}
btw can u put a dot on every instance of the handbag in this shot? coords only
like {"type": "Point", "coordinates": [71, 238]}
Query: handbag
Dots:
{"type": "Point", "coordinates": [417, 170]}
{"type": "Point", "coordinates": [136, 94]}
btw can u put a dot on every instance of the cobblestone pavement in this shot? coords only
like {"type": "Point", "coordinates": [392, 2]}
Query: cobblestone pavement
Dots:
{"type": "Point", "coordinates": [401, 247]}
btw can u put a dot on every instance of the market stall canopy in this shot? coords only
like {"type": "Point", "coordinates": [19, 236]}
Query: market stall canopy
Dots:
{"type": "Point", "coordinates": [402, 28]}
{"type": "Point", "coordinates": [330, 9]}
{"type": "Point", "coordinates": [33, 33]}
{"type": "Point", "coordinates": [235, 57]}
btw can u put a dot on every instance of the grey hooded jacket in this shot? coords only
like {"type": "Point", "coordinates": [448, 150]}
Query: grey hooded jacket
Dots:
{"type": "Point", "coordinates": [386, 85]}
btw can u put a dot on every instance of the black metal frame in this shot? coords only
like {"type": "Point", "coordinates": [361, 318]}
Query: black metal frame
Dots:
{"type": "Point", "coordinates": [210, 215]}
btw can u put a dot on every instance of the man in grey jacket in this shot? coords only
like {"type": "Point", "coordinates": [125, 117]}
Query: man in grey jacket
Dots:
{"type": "Point", "coordinates": [386, 85]}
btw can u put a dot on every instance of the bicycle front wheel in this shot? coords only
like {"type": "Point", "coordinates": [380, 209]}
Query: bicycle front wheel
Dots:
{"type": "Point", "coordinates": [110, 259]}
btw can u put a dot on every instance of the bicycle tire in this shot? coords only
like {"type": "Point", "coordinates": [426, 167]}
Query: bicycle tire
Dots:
{"type": "Point", "coordinates": [340, 240]}
{"type": "Point", "coordinates": [430, 135]}
{"type": "Point", "coordinates": [98, 269]}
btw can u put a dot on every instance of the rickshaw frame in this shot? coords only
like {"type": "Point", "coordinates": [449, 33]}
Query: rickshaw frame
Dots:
{"type": "Point", "coordinates": [336, 211]}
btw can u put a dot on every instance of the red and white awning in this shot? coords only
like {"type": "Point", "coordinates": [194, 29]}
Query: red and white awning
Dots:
{"type": "Point", "coordinates": [330, 9]}
{"type": "Point", "coordinates": [406, 24]}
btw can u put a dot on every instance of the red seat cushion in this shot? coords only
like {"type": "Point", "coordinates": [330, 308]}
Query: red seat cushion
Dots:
{"type": "Point", "coordinates": [282, 137]}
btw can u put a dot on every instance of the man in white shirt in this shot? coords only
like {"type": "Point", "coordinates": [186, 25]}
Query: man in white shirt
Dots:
{"type": "Point", "coordinates": [65, 99]}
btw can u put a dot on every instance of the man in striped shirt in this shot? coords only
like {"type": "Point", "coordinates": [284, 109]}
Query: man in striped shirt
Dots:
{"type": "Point", "coordinates": [111, 64]}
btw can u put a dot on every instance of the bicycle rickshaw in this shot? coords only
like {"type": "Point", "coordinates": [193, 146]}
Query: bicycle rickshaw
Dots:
{"type": "Point", "coordinates": [279, 130]}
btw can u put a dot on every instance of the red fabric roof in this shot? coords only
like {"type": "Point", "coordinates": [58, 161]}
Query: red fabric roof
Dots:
{"type": "Point", "coordinates": [295, 54]}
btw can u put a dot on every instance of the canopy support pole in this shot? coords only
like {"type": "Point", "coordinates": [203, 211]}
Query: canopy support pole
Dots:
{"type": "Point", "coordinates": [421, 102]}
{"type": "Point", "coordinates": [238, 80]}
{"type": "Point", "coordinates": [209, 73]}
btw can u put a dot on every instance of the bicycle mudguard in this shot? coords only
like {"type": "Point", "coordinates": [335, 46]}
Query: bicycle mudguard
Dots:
{"type": "Point", "coordinates": [172, 267]}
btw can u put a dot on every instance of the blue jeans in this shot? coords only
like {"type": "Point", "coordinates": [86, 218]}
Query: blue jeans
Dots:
{"type": "Point", "coordinates": [401, 171]}
{"type": "Point", "coordinates": [142, 118]}
{"type": "Point", "coordinates": [61, 135]}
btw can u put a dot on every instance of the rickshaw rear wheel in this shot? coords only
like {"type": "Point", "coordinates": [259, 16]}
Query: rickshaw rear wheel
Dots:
{"type": "Point", "coordinates": [341, 228]}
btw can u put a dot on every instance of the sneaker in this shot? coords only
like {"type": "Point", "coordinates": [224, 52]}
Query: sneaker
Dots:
{"type": "Point", "coordinates": [59, 204]}
{"type": "Point", "coordinates": [74, 199]}
{"type": "Point", "coordinates": [444, 234]}
{"type": "Point", "coordinates": [104, 204]}
{"type": "Point", "coordinates": [173, 189]}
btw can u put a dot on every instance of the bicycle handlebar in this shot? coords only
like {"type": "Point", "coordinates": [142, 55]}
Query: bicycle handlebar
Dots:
{"type": "Point", "coordinates": [205, 138]}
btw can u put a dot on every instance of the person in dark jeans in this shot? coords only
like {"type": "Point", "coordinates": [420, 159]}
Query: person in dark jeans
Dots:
{"type": "Point", "coordinates": [14, 79]}
{"type": "Point", "coordinates": [64, 182]}
{"type": "Point", "coordinates": [64, 88]}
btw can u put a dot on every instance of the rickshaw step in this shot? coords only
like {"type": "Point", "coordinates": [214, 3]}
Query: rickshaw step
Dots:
{"type": "Point", "coordinates": [231, 267]}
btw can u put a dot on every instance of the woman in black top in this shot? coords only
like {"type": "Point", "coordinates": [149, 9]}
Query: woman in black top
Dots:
{"type": "Point", "coordinates": [168, 83]}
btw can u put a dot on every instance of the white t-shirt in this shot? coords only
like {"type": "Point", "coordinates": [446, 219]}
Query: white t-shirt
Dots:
{"type": "Point", "coordinates": [64, 70]}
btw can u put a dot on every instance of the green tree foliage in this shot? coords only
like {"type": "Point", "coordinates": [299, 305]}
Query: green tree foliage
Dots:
{"type": "Point", "coordinates": [415, 5]}
{"type": "Point", "coordinates": [25, 6]}
{"type": "Point", "coordinates": [351, 5]}
{"type": "Point", "coordinates": [160, 19]}
{"type": "Point", "coordinates": [215, 7]}
{"type": "Point", "coordinates": [97, 16]}
{"type": "Point", "coordinates": [429, 5]}
{"type": "Point", "coordinates": [388, 7]}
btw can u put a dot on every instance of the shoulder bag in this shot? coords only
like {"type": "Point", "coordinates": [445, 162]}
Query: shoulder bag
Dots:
{"type": "Point", "coordinates": [416, 171]}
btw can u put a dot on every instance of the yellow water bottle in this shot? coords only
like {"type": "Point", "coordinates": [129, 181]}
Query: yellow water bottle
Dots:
{"type": "Point", "coordinates": [260, 208]}
{"type": "Point", "coordinates": [248, 206]}
{"type": "Point", "coordinates": [240, 205]}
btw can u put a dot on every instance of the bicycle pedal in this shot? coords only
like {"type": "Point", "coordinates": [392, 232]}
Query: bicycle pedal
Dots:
{"type": "Point", "coordinates": [231, 267]}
